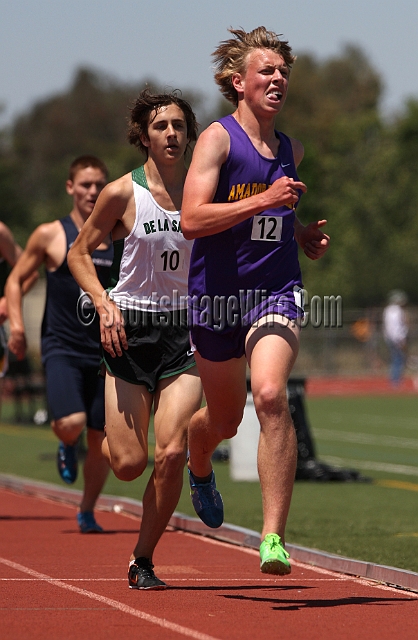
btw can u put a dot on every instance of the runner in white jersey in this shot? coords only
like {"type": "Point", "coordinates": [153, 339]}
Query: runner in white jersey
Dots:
{"type": "Point", "coordinates": [155, 256]}
{"type": "Point", "coordinates": [143, 317]}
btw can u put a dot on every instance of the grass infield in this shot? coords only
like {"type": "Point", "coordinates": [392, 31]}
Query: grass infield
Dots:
{"type": "Point", "coordinates": [375, 522]}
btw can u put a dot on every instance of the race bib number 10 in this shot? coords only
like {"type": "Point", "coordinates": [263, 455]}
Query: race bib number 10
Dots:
{"type": "Point", "coordinates": [268, 228]}
{"type": "Point", "coordinates": [169, 260]}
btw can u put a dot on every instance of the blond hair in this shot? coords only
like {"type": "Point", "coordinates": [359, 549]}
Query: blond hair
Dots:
{"type": "Point", "coordinates": [231, 55]}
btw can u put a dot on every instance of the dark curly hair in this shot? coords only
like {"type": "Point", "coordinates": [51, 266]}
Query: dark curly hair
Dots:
{"type": "Point", "coordinates": [147, 103]}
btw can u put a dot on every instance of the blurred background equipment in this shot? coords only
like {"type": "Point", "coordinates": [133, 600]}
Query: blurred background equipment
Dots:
{"type": "Point", "coordinates": [308, 466]}
{"type": "Point", "coordinates": [26, 387]}
{"type": "Point", "coordinates": [243, 447]}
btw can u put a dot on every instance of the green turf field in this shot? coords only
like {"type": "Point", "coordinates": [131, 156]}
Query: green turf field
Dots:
{"type": "Point", "coordinates": [376, 522]}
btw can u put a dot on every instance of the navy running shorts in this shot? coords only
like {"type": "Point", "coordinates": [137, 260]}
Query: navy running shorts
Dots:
{"type": "Point", "coordinates": [74, 386]}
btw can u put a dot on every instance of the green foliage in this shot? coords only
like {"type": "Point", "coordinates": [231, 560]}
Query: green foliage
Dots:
{"type": "Point", "coordinates": [90, 118]}
{"type": "Point", "coordinates": [361, 177]}
{"type": "Point", "coordinates": [360, 169]}
{"type": "Point", "coordinates": [13, 208]}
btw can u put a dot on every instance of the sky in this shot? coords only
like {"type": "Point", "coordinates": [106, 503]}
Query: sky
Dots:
{"type": "Point", "coordinates": [43, 42]}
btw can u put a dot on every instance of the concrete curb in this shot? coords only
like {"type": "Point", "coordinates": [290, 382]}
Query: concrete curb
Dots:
{"type": "Point", "coordinates": [398, 578]}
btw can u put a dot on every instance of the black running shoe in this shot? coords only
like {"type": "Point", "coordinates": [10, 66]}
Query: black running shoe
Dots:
{"type": "Point", "coordinates": [142, 576]}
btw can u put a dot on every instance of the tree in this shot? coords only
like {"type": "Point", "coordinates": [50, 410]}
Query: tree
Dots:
{"type": "Point", "coordinates": [361, 177]}
{"type": "Point", "coordinates": [91, 117]}
{"type": "Point", "coordinates": [360, 169]}
{"type": "Point", "coordinates": [13, 210]}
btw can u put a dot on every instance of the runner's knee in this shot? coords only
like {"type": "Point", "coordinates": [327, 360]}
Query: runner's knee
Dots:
{"type": "Point", "coordinates": [126, 467]}
{"type": "Point", "coordinates": [69, 428]}
{"type": "Point", "coordinates": [170, 461]}
{"type": "Point", "coordinates": [270, 398]}
{"type": "Point", "coordinates": [228, 425]}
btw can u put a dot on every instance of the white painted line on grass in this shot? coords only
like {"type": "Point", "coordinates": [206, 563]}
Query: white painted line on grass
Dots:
{"type": "Point", "coordinates": [394, 442]}
{"type": "Point", "coordinates": [401, 469]}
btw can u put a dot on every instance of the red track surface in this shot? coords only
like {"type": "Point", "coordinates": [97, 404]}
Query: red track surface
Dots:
{"type": "Point", "coordinates": [335, 386]}
{"type": "Point", "coordinates": [58, 584]}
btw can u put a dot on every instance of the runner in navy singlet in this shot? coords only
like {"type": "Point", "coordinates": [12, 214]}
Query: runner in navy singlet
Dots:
{"type": "Point", "coordinates": [239, 205]}
{"type": "Point", "coordinates": [70, 335]}
{"type": "Point", "coordinates": [147, 353]}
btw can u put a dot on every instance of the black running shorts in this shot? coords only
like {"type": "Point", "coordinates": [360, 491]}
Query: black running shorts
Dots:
{"type": "Point", "coordinates": [158, 347]}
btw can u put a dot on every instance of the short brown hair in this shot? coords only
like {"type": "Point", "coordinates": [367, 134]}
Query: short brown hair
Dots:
{"type": "Point", "coordinates": [231, 55]}
{"type": "Point", "coordinates": [145, 104]}
{"type": "Point", "coordinates": [82, 162]}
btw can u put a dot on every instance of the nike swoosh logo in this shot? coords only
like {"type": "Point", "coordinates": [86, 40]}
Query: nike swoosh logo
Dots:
{"type": "Point", "coordinates": [189, 353]}
{"type": "Point", "coordinates": [285, 165]}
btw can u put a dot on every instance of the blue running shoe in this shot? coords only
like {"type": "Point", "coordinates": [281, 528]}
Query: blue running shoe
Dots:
{"type": "Point", "coordinates": [67, 462]}
{"type": "Point", "coordinates": [207, 501]}
{"type": "Point", "coordinates": [87, 523]}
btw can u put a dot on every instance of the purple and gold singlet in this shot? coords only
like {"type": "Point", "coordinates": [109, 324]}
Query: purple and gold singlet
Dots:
{"type": "Point", "coordinates": [252, 269]}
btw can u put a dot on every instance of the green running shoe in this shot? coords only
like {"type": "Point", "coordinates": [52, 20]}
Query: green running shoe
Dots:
{"type": "Point", "coordinates": [274, 557]}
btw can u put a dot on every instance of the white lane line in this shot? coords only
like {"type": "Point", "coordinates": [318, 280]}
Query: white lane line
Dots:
{"type": "Point", "coordinates": [334, 576]}
{"type": "Point", "coordinates": [114, 604]}
{"type": "Point", "coordinates": [243, 580]}
{"type": "Point", "coordinates": [63, 579]}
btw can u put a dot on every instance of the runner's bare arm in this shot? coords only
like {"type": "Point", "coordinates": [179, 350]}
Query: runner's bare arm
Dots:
{"type": "Point", "coordinates": [199, 215]}
{"type": "Point", "coordinates": [22, 276]}
{"type": "Point", "coordinates": [107, 216]}
{"type": "Point", "coordinates": [10, 252]}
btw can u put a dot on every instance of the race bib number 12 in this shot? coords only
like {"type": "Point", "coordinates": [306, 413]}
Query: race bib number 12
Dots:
{"type": "Point", "coordinates": [268, 228]}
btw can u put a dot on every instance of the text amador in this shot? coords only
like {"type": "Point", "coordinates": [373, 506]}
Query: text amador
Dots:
{"type": "Point", "coordinates": [245, 190]}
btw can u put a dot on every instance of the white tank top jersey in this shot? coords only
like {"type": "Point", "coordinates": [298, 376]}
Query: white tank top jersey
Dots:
{"type": "Point", "coordinates": [151, 264]}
